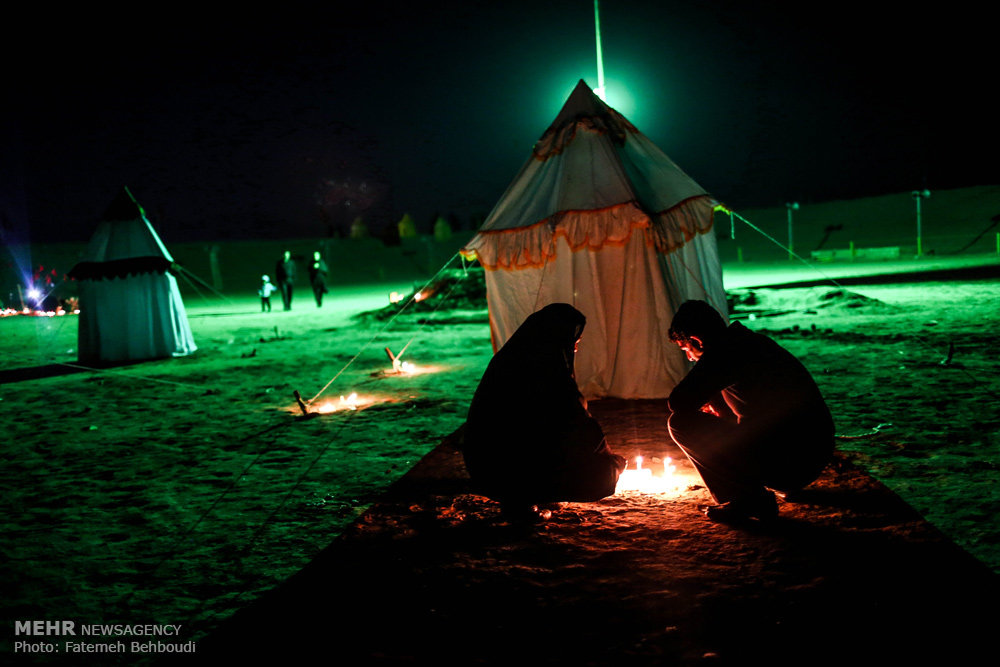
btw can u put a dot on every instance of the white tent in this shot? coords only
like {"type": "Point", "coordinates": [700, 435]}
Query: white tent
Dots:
{"type": "Point", "coordinates": [602, 219]}
{"type": "Point", "coordinates": [130, 307]}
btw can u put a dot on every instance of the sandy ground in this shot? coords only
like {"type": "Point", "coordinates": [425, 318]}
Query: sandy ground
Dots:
{"type": "Point", "coordinates": [178, 491]}
{"type": "Point", "coordinates": [849, 574]}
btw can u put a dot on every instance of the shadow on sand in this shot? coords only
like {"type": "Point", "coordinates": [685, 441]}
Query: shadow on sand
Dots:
{"type": "Point", "coordinates": [12, 375]}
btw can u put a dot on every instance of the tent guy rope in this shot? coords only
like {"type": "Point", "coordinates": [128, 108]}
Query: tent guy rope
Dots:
{"type": "Point", "coordinates": [784, 247]}
{"type": "Point", "coordinates": [377, 334]}
{"type": "Point", "coordinates": [259, 530]}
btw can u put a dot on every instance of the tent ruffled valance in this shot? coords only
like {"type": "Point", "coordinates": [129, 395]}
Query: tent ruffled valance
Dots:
{"type": "Point", "coordinates": [120, 268]}
{"type": "Point", "coordinates": [532, 246]}
{"type": "Point", "coordinates": [555, 140]}
{"type": "Point", "coordinates": [674, 227]}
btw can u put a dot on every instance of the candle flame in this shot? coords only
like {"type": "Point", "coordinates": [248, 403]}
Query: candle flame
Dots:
{"type": "Point", "coordinates": [402, 367]}
{"type": "Point", "coordinates": [406, 369]}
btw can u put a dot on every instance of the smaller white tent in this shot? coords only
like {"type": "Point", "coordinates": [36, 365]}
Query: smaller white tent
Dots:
{"type": "Point", "coordinates": [130, 307]}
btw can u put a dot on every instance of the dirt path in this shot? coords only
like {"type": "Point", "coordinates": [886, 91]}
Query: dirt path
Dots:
{"type": "Point", "coordinates": [432, 574]}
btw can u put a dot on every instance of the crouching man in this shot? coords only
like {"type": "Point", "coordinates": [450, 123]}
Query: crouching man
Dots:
{"type": "Point", "coordinates": [748, 415]}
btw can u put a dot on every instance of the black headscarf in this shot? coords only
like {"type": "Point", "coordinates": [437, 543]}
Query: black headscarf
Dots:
{"type": "Point", "coordinates": [534, 368]}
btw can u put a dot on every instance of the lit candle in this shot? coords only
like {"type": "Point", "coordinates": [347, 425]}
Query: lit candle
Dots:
{"type": "Point", "coordinates": [635, 480]}
{"type": "Point", "coordinates": [668, 467]}
{"type": "Point", "coordinates": [642, 474]}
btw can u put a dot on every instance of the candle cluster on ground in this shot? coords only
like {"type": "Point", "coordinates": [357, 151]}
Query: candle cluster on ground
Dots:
{"type": "Point", "coordinates": [10, 312]}
{"type": "Point", "coordinates": [350, 402]}
{"type": "Point", "coordinates": [407, 369]}
{"type": "Point", "coordinates": [345, 403]}
{"type": "Point", "coordinates": [642, 480]}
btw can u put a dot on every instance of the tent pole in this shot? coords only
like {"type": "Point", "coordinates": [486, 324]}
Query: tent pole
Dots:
{"type": "Point", "coordinates": [791, 206]}
{"type": "Point", "coordinates": [917, 196]}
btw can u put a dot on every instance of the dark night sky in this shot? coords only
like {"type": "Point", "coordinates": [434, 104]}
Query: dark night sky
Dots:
{"type": "Point", "coordinates": [227, 125]}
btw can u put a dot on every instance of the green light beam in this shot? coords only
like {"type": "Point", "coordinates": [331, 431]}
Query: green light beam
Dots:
{"type": "Point", "coordinates": [600, 58]}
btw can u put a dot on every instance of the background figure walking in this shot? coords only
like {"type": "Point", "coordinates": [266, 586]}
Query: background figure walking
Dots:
{"type": "Point", "coordinates": [317, 277]}
{"type": "Point", "coordinates": [284, 274]}
{"type": "Point", "coordinates": [266, 290]}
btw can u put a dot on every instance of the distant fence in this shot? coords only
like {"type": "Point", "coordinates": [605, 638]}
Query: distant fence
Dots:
{"type": "Point", "coordinates": [852, 253]}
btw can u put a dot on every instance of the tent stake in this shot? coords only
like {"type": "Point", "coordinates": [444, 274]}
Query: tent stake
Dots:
{"type": "Point", "coordinates": [302, 405]}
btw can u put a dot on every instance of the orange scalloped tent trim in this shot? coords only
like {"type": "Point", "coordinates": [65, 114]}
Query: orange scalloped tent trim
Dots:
{"type": "Point", "coordinates": [555, 140]}
{"type": "Point", "coordinates": [532, 246]}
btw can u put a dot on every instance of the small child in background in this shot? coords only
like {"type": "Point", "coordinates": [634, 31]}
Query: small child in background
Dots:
{"type": "Point", "coordinates": [267, 288]}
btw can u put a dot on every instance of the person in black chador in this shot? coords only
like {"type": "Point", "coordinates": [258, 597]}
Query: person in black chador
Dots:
{"type": "Point", "coordinates": [529, 439]}
{"type": "Point", "coordinates": [284, 277]}
{"type": "Point", "coordinates": [748, 415]}
{"type": "Point", "coordinates": [317, 277]}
